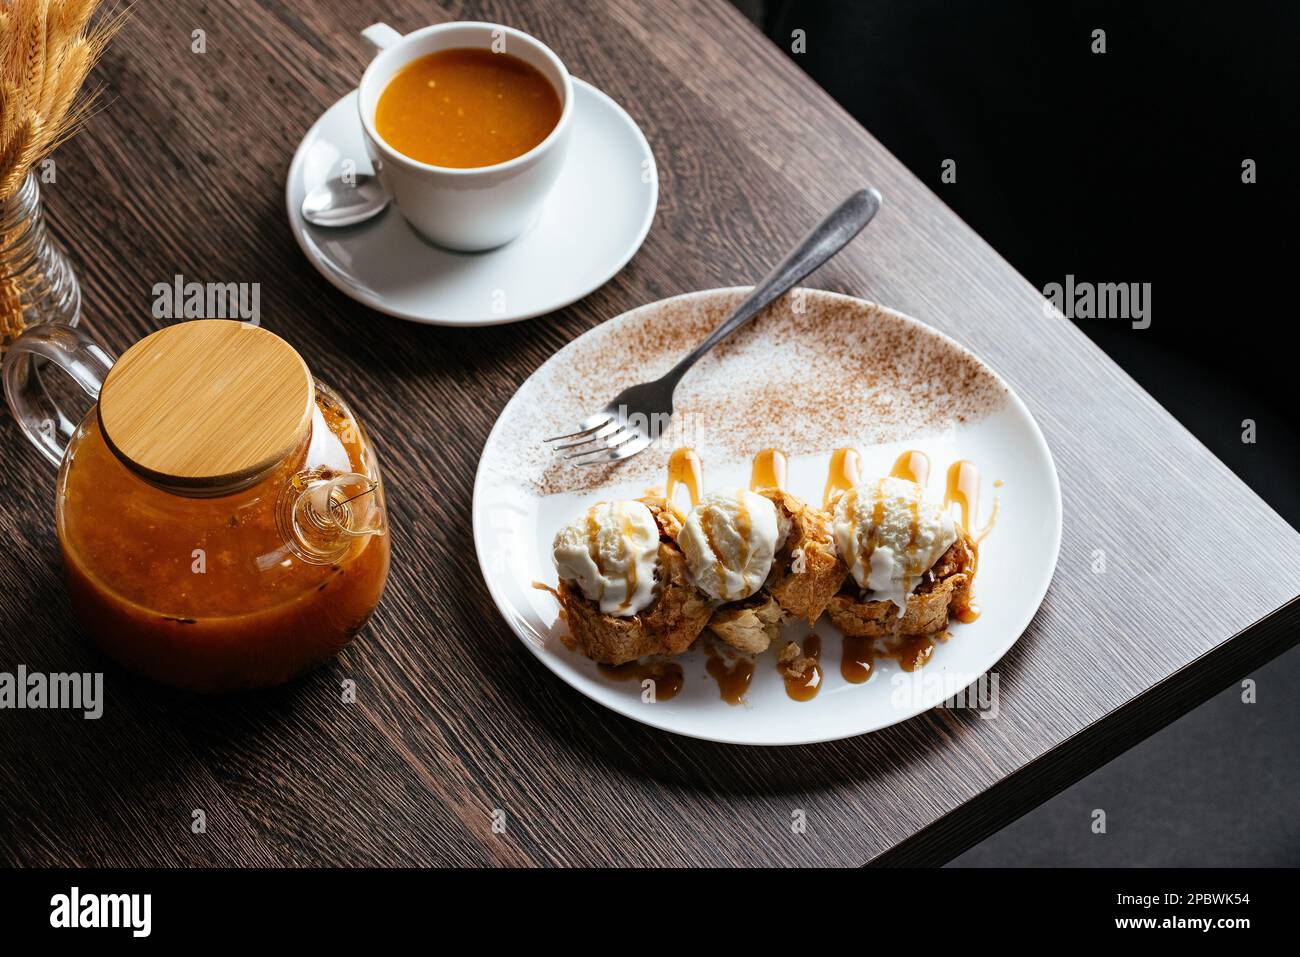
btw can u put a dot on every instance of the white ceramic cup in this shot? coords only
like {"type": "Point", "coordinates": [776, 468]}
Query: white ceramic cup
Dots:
{"type": "Point", "coordinates": [480, 207]}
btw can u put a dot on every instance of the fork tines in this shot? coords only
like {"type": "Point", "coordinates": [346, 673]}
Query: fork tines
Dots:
{"type": "Point", "coordinates": [601, 439]}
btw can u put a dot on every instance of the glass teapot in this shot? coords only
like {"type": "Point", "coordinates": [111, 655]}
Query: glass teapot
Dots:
{"type": "Point", "coordinates": [220, 512]}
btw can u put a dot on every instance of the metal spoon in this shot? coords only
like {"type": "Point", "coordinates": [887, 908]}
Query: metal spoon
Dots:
{"type": "Point", "coordinates": [339, 203]}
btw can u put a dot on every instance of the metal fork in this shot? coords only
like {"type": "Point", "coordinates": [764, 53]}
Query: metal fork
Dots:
{"type": "Point", "coordinates": [624, 427]}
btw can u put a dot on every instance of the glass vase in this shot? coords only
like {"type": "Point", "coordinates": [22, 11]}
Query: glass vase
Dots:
{"type": "Point", "coordinates": [37, 283]}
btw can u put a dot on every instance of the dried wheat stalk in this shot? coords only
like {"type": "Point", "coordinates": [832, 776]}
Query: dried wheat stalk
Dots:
{"type": "Point", "coordinates": [47, 48]}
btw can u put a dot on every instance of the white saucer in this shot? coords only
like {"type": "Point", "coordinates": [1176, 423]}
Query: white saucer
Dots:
{"type": "Point", "coordinates": [596, 217]}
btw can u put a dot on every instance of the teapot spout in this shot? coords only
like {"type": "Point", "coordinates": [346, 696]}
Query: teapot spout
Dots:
{"type": "Point", "coordinates": [324, 514]}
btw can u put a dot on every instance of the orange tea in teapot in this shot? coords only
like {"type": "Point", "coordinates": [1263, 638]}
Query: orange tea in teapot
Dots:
{"type": "Point", "coordinates": [220, 513]}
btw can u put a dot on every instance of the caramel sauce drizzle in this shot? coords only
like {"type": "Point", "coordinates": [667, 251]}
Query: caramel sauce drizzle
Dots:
{"type": "Point", "coordinates": [912, 569]}
{"type": "Point", "coordinates": [708, 521]}
{"type": "Point", "coordinates": [850, 506]}
{"type": "Point", "coordinates": [733, 677]}
{"type": "Point", "coordinates": [877, 519]}
{"type": "Point", "coordinates": [629, 556]}
{"type": "Point", "coordinates": [804, 687]}
{"type": "Point", "coordinates": [993, 520]}
{"type": "Point", "coordinates": [667, 675]}
{"type": "Point", "coordinates": [913, 466]}
{"type": "Point", "coordinates": [878, 506]}
{"type": "Point", "coordinates": [845, 472]}
{"type": "Point", "coordinates": [769, 470]}
{"type": "Point", "coordinates": [593, 545]}
{"type": "Point", "coordinates": [685, 468]}
{"type": "Point", "coordinates": [745, 527]}
{"type": "Point", "coordinates": [964, 492]}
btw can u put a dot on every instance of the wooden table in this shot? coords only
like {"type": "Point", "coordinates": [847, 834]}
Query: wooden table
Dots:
{"type": "Point", "coordinates": [183, 173]}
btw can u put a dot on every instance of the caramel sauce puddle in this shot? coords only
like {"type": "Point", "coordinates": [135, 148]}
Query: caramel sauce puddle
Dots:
{"type": "Point", "coordinates": [858, 657]}
{"type": "Point", "coordinates": [804, 687]}
{"type": "Point", "coordinates": [666, 675]}
{"type": "Point", "coordinates": [733, 677]}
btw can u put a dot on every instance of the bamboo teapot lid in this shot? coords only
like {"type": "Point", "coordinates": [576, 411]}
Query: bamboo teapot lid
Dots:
{"type": "Point", "coordinates": [206, 407]}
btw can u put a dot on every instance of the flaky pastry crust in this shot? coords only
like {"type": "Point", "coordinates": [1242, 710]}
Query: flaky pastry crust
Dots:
{"type": "Point", "coordinates": [750, 625]}
{"type": "Point", "coordinates": [807, 571]}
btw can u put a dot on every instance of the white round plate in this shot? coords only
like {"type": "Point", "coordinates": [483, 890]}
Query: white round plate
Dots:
{"type": "Point", "coordinates": [595, 218]}
{"type": "Point", "coordinates": [815, 372]}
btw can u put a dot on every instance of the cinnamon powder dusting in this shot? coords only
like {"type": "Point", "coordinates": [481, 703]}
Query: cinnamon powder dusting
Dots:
{"type": "Point", "coordinates": [813, 372]}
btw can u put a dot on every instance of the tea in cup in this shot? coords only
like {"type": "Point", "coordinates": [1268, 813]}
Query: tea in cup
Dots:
{"type": "Point", "coordinates": [466, 125]}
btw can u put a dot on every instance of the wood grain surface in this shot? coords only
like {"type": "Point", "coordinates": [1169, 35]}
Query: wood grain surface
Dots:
{"type": "Point", "coordinates": [183, 173]}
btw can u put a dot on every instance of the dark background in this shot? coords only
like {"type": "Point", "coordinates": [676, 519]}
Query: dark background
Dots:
{"type": "Point", "coordinates": [1124, 166]}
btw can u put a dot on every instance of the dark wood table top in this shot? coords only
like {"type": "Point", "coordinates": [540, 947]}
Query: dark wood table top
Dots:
{"type": "Point", "coordinates": [183, 173]}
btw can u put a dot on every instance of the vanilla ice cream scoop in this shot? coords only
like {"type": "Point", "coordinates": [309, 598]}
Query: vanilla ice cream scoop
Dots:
{"type": "Point", "coordinates": [611, 553]}
{"type": "Point", "coordinates": [889, 536]}
{"type": "Point", "coordinates": [729, 541]}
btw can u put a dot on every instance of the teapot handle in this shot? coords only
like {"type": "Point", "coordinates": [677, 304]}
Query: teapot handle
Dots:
{"type": "Point", "coordinates": [46, 421]}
